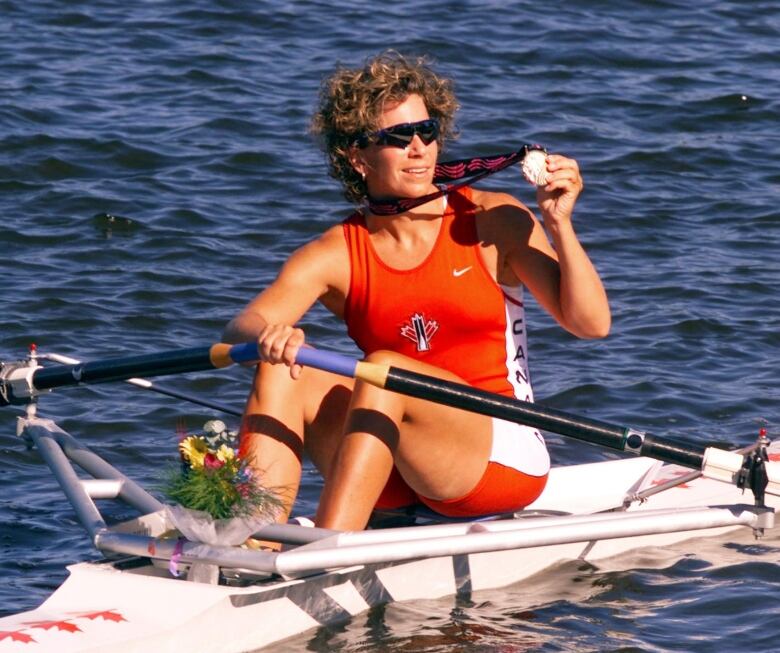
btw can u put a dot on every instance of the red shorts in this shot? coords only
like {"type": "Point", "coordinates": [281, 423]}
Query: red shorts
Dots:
{"type": "Point", "coordinates": [501, 489]}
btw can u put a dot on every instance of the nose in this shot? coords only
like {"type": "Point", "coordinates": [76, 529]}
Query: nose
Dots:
{"type": "Point", "coordinates": [416, 145]}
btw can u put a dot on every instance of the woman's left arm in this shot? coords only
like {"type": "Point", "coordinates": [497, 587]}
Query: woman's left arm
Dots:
{"type": "Point", "coordinates": [561, 276]}
{"type": "Point", "coordinates": [583, 300]}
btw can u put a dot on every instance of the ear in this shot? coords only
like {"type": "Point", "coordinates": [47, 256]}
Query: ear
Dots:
{"type": "Point", "coordinates": [357, 161]}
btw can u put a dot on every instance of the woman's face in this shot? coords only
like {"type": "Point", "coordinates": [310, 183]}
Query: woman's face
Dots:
{"type": "Point", "coordinates": [393, 172]}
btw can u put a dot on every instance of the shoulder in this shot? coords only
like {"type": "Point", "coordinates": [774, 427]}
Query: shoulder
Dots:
{"type": "Point", "coordinates": [321, 252]}
{"type": "Point", "coordinates": [488, 200]}
{"type": "Point", "coordinates": [321, 264]}
{"type": "Point", "coordinates": [501, 216]}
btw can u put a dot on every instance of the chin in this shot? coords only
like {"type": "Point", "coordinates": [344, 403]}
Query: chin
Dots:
{"type": "Point", "coordinates": [419, 188]}
{"type": "Point", "coordinates": [406, 189]}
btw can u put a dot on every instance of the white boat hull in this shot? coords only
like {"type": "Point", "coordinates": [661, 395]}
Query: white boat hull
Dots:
{"type": "Point", "coordinates": [100, 608]}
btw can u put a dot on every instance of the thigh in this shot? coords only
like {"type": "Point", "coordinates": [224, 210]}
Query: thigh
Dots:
{"type": "Point", "coordinates": [441, 452]}
{"type": "Point", "coordinates": [292, 414]}
{"type": "Point", "coordinates": [501, 489]}
{"type": "Point", "coordinates": [327, 399]}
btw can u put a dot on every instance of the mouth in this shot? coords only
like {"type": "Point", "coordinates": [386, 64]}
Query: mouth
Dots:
{"type": "Point", "coordinates": [417, 171]}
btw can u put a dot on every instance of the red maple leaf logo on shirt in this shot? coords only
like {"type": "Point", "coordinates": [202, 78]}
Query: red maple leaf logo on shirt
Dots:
{"type": "Point", "coordinates": [420, 331]}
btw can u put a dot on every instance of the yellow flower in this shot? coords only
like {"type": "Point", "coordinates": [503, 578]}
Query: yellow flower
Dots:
{"type": "Point", "coordinates": [194, 449]}
{"type": "Point", "coordinates": [225, 454]}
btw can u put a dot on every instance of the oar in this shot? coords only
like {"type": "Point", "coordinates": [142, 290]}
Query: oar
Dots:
{"type": "Point", "coordinates": [20, 381]}
{"type": "Point", "coordinates": [23, 382]}
{"type": "Point", "coordinates": [753, 471]}
{"type": "Point", "coordinates": [466, 397]}
{"type": "Point", "coordinates": [146, 384]}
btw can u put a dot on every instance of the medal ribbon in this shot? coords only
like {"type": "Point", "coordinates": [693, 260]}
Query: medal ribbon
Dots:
{"type": "Point", "coordinates": [450, 171]}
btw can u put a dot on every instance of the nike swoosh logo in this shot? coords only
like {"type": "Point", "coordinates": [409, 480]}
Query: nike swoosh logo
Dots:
{"type": "Point", "coordinates": [461, 272]}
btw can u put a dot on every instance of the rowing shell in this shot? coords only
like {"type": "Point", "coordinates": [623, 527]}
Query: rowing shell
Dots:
{"type": "Point", "coordinates": [135, 604]}
{"type": "Point", "coordinates": [135, 601]}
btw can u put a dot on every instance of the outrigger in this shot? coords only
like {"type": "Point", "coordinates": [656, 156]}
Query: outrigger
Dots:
{"type": "Point", "coordinates": [668, 492]}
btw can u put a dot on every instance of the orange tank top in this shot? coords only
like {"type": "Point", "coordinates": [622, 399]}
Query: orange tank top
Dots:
{"type": "Point", "coordinates": [448, 311]}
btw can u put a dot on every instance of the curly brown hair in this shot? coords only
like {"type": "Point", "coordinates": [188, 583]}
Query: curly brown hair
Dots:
{"type": "Point", "coordinates": [352, 100]}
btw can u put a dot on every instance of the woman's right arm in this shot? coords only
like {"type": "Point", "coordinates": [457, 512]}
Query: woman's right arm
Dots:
{"type": "Point", "coordinates": [317, 269]}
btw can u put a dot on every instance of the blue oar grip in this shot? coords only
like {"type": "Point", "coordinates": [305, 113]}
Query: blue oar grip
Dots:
{"type": "Point", "coordinates": [327, 360]}
{"type": "Point", "coordinates": [247, 352]}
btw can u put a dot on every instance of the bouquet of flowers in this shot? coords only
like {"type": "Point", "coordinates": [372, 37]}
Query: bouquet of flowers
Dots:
{"type": "Point", "coordinates": [213, 478]}
{"type": "Point", "coordinates": [221, 501]}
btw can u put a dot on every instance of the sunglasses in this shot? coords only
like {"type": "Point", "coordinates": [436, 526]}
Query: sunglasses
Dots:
{"type": "Point", "coordinates": [401, 135]}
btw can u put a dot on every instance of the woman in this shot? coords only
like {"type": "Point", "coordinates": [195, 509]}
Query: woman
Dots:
{"type": "Point", "coordinates": [435, 289]}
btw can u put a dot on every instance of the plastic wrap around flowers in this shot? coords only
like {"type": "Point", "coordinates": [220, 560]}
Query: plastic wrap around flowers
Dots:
{"type": "Point", "coordinates": [214, 479]}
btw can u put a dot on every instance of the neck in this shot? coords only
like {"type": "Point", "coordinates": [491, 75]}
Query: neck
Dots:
{"type": "Point", "coordinates": [398, 223]}
{"type": "Point", "coordinates": [392, 207]}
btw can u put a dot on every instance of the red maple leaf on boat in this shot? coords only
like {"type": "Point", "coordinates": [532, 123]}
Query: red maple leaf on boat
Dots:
{"type": "Point", "coordinates": [63, 624]}
{"type": "Point", "coordinates": [17, 636]}
{"type": "Point", "coordinates": [661, 481]}
{"type": "Point", "coordinates": [774, 456]}
{"type": "Point", "coordinates": [105, 615]}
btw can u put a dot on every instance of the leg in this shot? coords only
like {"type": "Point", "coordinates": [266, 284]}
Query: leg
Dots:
{"type": "Point", "coordinates": [440, 451]}
{"type": "Point", "coordinates": [282, 415]}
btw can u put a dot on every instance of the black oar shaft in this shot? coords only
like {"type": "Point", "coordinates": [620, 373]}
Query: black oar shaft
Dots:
{"type": "Point", "coordinates": [537, 416]}
{"type": "Point", "coordinates": [673, 451]}
{"type": "Point", "coordinates": [117, 369]}
{"type": "Point", "coordinates": [20, 382]}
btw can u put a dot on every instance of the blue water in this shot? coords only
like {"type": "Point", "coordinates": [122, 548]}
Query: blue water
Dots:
{"type": "Point", "coordinates": [187, 122]}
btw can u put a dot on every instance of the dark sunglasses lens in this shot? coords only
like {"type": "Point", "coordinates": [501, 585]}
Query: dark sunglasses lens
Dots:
{"type": "Point", "coordinates": [398, 136]}
{"type": "Point", "coordinates": [428, 131]}
{"type": "Point", "coordinates": [402, 135]}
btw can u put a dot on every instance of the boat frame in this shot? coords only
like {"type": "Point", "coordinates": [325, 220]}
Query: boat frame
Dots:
{"type": "Point", "coordinates": [139, 598]}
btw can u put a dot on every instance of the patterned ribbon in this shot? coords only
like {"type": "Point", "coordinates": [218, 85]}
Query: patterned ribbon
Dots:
{"type": "Point", "coordinates": [471, 169]}
{"type": "Point", "coordinates": [173, 563]}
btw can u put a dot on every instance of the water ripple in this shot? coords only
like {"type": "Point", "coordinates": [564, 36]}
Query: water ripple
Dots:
{"type": "Point", "coordinates": [156, 170]}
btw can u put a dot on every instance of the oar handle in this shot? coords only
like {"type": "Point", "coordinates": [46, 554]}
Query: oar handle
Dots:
{"type": "Point", "coordinates": [330, 361]}
{"type": "Point", "coordinates": [327, 360]}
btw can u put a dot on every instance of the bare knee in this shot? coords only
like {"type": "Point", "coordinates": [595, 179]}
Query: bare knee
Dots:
{"type": "Point", "coordinates": [386, 357]}
{"type": "Point", "coordinates": [394, 359]}
{"type": "Point", "coordinates": [273, 414]}
{"type": "Point", "coordinates": [272, 379]}
{"type": "Point", "coordinates": [308, 391]}
{"type": "Point", "coordinates": [310, 410]}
